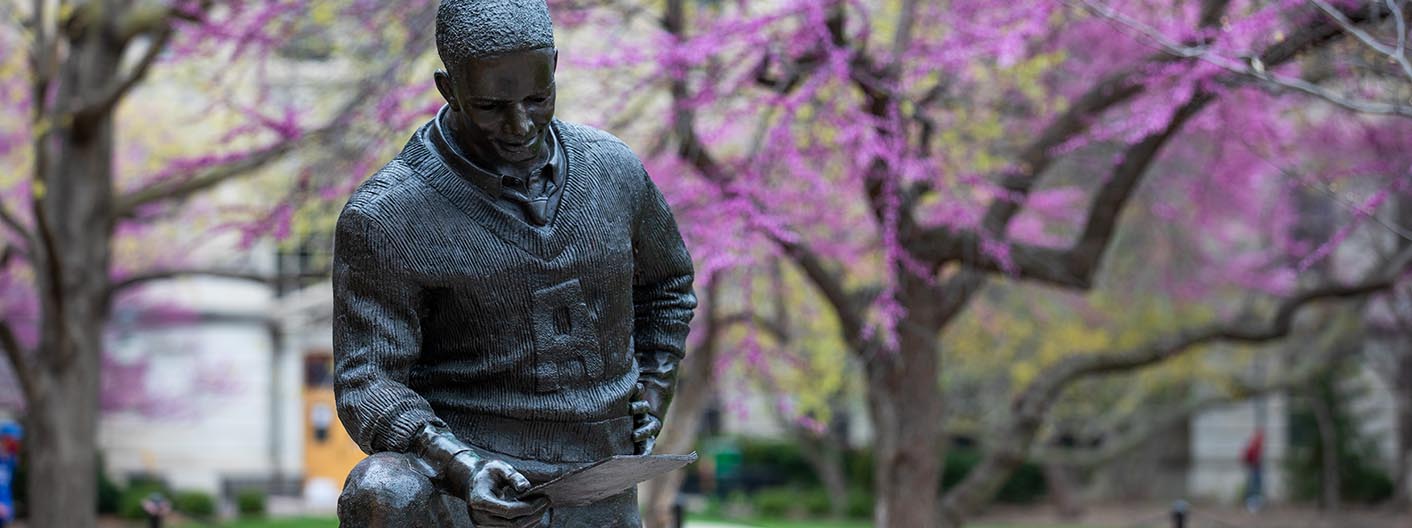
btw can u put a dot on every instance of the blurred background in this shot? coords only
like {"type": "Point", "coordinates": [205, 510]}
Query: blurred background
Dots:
{"type": "Point", "coordinates": [1081, 263]}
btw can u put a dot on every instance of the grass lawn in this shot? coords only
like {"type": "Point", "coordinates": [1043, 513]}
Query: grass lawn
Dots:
{"type": "Point", "coordinates": [766, 523]}
{"type": "Point", "coordinates": [310, 522]}
{"type": "Point", "coordinates": [332, 523]}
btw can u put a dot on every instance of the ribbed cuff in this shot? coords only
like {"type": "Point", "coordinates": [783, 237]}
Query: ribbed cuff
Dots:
{"type": "Point", "coordinates": [453, 461]}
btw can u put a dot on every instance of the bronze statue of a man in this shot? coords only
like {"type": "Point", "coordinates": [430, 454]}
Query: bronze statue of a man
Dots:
{"type": "Point", "coordinates": [511, 296]}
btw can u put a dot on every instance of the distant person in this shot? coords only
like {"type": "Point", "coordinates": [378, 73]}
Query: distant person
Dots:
{"type": "Point", "coordinates": [9, 461]}
{"type": "Point", "coordinates": [157, 508]}
{"type": "Point", "coordinates": [1254, 464]}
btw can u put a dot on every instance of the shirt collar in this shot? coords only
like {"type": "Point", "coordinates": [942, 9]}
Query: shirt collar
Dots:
{"type": "Point", "coordinates": [439, 141]}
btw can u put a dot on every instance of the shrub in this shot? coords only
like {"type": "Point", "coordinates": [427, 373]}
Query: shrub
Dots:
{"type": "Point", "coordinates": [195, 504]}
{"type": "Point", "coordinates": [109, 494]}
{"type": "Point", "coordinates": [1026, 485]}
{"type": "Point", "coordinates": [1360, 478]}
{"type": "Point", "coordinates": [815, 502]}
{"type": "Point", "coordinates": [771, 464]}
{"type": "Point", "coordinates": [781, 462]}
{"type": "Point", "coordinates": [250, 503]}
{"type": "Point", "coordinates": [775, 503]}
{"type": "Point", "coordinates": [860, 504]}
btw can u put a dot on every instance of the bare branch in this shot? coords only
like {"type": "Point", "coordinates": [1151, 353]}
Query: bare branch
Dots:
{"type": "Point", "coordinates": [1400, 54]}
{"type": "Point", "coordinates": [1256, 68]}
{"type": "Point", "coordinates": [1120, 441]}
{"type": "Point", "coordinates": [1396, 54]}
{"type": "Point", "coordinates": [181, 187]}
{"type": "Point", "coordinates": [9, 252]}
{"type": "Point", "coordinates": [1033, 403]}
{"type": "Point", "coordinates": [957, 291]}
{"type": "Point", "coordinates": [161, 275]}
{"type": "Point", "coordinates": [19, 362]}
{"type": "Point", "coordinates": [906, 20]}
{"type": "Point", "coordinates": [9, 220]}
{"type": "Point", "coordinates": [1330, 96]}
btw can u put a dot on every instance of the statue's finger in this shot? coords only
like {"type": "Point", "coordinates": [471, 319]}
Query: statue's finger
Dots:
{"type": "Point", "coordinates": [533, 517]}
{"type": "Point", "coordinates": [520, 483]}
{"type": "Point", "coordinates": [640, 407]}
{"type": "Point", "coordinates": [647, 431]}
{"type": "Point", "coordinates": [489, 504]}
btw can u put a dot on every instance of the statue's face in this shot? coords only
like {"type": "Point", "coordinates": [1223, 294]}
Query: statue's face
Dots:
{"type": "Point", "coordinates": [505, 103]}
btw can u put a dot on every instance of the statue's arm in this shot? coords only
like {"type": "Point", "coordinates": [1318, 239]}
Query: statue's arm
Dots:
{"type": "Point", "coordinates": [376, 338]}
{"type": "Point", "coordinates": [663, 301]}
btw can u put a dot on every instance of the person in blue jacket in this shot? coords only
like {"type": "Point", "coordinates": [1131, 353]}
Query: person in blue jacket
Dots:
{"type": "Point", "coordinates": [9, 461]}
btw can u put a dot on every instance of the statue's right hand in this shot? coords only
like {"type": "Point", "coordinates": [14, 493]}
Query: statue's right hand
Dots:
{"type": "Point", "coordinates": [494, 499]}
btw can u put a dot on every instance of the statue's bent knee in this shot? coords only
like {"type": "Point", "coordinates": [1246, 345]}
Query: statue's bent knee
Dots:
{"type": "Point", "coordinates": [384, 490]}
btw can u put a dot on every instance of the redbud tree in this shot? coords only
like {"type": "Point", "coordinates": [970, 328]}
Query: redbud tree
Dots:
{"type": "Point", "coordinates": [121, 117]}
{"type": "Point", "coordinates": [904, 154]}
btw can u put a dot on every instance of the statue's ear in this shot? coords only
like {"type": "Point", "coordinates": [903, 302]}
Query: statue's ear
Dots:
{"type": "Point", "coordinates": [443, 85]}
{"type": "Point", "coordinates": [556, 59]}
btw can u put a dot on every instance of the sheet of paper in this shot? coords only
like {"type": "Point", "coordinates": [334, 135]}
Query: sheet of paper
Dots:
{"type": "Point", "coordinates": [607, 478]}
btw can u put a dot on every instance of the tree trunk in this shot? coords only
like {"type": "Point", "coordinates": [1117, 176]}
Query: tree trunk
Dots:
{"type": "Point", "coordinates": [1402, 491]}
{"type": "Point", "coordinates": [62, 432]}
{"type": "Point", "coordinates": [72, 212]}
{"type": "Point", "coordinates": [904, 398]}
{"type": "Point", "coordinates": [1328, 452]}
{"type": "Point", "coordinates": [696, 383]}
{"type": "Point", "coordinates": [1060, 483]}
{"type": "Point", "coordinates": [825, 454]}
{"type": "Point", "coordinates": [683, 423]}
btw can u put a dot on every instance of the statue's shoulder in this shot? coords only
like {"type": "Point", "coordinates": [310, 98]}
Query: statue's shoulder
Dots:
{"type": "Point", "coordinates": [391, 184]}
{"type": "Point", "coordinates": [596, 143]}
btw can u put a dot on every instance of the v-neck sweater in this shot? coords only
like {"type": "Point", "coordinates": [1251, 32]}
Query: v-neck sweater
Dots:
{"type": "Point", "coordinates": [524, 340]}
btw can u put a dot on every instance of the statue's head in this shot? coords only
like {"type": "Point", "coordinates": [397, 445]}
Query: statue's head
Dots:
{"type": "Point", "coordinates": [499, 77]}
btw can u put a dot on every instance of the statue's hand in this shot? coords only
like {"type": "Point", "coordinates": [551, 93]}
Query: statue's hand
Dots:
{"type": "Point", "coordinates": [646, 425]}
{"type": "Point", "coordinates": [494, 498]}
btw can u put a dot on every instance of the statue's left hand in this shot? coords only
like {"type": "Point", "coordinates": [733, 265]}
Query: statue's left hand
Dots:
{"type": "Point", "coordinates": [646, 426]}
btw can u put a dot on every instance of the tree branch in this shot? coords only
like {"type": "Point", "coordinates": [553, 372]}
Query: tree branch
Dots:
{"type": "Point", "coordinates": [103, 101]}
{"type": "Point", "coordinates": [957, 291]}
{"type": "Point", "coordinates": [182, 187]}
{"type": "Point", "coordinates": [1397, 54]}
{"type": "Point", "coordinates": [9, 220]}
{"type": "Point", "coordinates": [695, 153]}
{"type": "Point", "coordinates": [1075, 266]}
{"type": "Point", "coordinates": [1121, 441]}
{"type": "Point", "coordinates": [16, 354]}
{"type": "Point", "coordinates": [161, 275]}
{"type": "Point", "coordinates": [10, 252]}
{"type": "Point", "coordinates": [1256, 69]}
{"type": "Point", "coordinates": [906, 21]}
{"type": "Point", "coordinates": [1033, 403]}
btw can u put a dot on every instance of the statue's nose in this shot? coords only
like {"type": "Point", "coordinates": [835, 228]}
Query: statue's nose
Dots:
{"type": "Point", "coordinates": [518, 122]}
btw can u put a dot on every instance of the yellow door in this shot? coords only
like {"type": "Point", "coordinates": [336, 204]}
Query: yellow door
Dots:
{"type": "Point", "coordinates": [329, 453]}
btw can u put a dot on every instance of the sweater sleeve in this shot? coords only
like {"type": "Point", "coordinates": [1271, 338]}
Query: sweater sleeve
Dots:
{"type": "Point", "coordinates": [663, 301]}
{"type": "Point", "coordinates": [376, 337]}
